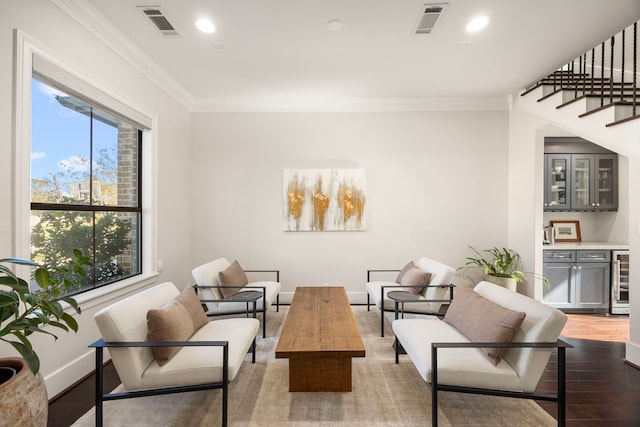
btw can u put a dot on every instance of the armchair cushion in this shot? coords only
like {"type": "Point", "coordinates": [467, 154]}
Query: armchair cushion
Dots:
{"type": "Point", "coordinates": [176, 320]}
{"type": "Point", "coordinates": [233, 275]}
{"type": "Point", "coordinates": [482, 320]}
{"type": "Point", "coordinates": [414, 280]}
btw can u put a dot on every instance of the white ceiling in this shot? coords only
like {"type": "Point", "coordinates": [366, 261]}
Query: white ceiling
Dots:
{"type": "Point", "coordinates": [280, 52]}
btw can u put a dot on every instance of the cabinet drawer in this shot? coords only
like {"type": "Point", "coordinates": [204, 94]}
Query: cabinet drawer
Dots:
{"type": "Point", "coordinates": [559, 256]}
{"type": "Point", "coordinates": [594, 256]}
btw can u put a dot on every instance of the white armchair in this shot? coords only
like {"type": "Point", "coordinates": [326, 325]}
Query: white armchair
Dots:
{"type": "Point", "coordinates": [207, 286]}
{"type": "Point", "coordinates": [209, 358]}
{"type": "Point", "coordinates": [432, 300]}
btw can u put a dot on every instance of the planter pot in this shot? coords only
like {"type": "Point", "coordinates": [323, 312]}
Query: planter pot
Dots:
{"type": "Point", "coordinates": [23, 399]}
{"type": "Point", "coordinates": [506, 282]}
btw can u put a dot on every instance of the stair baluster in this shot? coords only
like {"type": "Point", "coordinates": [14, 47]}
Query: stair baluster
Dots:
{"type": "Point", "coordinates": [602, 75]}
{"type": "Point", "coordinates": [622, 70]}
{"type": "Point", "coordinates": [611, 73]}
{"type": "Point", "coordinates": [635, 65]}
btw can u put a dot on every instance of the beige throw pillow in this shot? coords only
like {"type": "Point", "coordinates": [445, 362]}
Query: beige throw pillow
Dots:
{"type": "Point", "coordinates": [231, 276]}
{"type": "Point", "coordinates": [404, 270]}
{"type": "Point", "coordinates": [482, 320]}
{"type": "Point", "coordinates": [415, 280]}
{"type": "Point", "coordinates": [192, 303]}
{"type": "Point", "coordinates": [176, 320]}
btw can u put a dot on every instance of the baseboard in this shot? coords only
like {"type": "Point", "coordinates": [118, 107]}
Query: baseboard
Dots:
{"type": "Point", "coordinates": [632, 354]}
{"type": "Point", "coordinates": [58, 381]}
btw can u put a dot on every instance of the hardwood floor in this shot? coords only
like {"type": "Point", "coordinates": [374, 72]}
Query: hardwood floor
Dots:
{"type": "Point", "coordinates": [602, 390]}
{"type": "Point", "coordinates": [67, 408]}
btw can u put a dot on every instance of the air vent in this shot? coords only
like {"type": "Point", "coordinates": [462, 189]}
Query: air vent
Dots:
{"type": "Point", "coordinates": [429, 17]}
{"type": "Point", "coordinates": [159, 20]}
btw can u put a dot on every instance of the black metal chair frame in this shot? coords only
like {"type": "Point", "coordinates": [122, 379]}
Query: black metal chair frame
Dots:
{"type": "Point", "coordinates": [101, 396]}
{"type": "Point", "coordinates": [264, 291]}
{"type": "Point", "coordinates": [559, 397]}
{"type": "Point", "coordinates": [382, 292]}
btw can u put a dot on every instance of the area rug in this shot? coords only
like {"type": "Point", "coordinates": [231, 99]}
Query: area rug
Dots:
{"type": "Point", "coordinates": [384, 394]}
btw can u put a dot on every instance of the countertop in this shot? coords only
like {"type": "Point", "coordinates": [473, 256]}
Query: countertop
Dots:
{"type": "Point", "coordinates": [585, 246]}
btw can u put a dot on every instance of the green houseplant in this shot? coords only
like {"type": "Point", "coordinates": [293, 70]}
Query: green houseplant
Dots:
{"type": "Point", "coordinates": [501, 263]}
{"type": "Point", "coordinates": [24, 311]}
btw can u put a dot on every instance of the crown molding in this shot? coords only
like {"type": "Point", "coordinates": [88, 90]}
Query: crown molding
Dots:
{"type": "Point", "coordinates": [90, 18]}
{"type": "Point", "coordinates": [369, 104]}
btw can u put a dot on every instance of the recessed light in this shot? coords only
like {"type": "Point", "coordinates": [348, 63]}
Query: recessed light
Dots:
{"type": "Point", "coordinates": [477, 23]}
{"type": "Point", "coordinates": [334, 25]}
{"type": "Point", "coordinates": [205, 25]}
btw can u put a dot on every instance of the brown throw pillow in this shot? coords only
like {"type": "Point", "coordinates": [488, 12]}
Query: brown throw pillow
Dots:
{"type": "Point", "coordinates": [482, 320]}
{"type": "Point", "coordinates": [189, 299]}
{"type": "Point", "coordinates": [415, 280]}
{"type": "Point", "coordinates": [176, 320]}
{"type": "Point", "coordinates": [231, 276]}
{"type": "Point", "coordinates": [171, 322]}
{"type": "Point", "coordinates": [406, 268]}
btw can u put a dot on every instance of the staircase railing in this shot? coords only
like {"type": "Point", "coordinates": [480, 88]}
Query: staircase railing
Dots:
{"type": "Point", "coordinates": [602, 73]}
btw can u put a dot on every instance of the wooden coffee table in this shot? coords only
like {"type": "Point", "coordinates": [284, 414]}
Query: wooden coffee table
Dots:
{"type": "Point", "coordinates": [319, 337]}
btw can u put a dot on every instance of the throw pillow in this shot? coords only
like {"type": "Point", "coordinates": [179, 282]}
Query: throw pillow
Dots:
{"type": "Point", "coordinates": [171, 322]}
{"type": "Point", "coordinates": [189, 299]}
{"type": "Point", "coordinates": [415, 280]}
{"type": "Point", "coordinates": [231, 276]}
{"type": "Point", "coordinates": [482, 320]}
{"type": "Point", "coordinates": [406, 268]}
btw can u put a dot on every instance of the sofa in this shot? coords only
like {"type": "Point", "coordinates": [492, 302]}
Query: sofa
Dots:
{"type": "Point", "coordinates": [209, 289]}
{"type": "Point", "coordinates": [433, 298]}
{"type": "Point", "coordinates": [160, 341]}
{"type": "Point", "coordinates": [491, 341]}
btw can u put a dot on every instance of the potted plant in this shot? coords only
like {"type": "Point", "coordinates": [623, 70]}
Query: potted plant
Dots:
{"type": "Point", "coordinates": [23, 395]}
{"type": "Point", "coordinates": [500, 265]}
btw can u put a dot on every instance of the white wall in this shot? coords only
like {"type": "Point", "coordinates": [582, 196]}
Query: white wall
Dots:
{"type": "Point", "coordinates": [68, 359]}
{"type": "Point", "coordinates": [436, 183]}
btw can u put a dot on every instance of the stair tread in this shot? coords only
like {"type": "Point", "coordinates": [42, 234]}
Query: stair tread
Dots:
{"type": "Point", "coordinates": [626, 119]}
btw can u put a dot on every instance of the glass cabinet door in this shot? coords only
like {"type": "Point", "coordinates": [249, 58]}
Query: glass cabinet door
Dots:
{"type": "Point", "coordinates": [557, 175]}
{"type": "Point", "coordinates": [605, 188]}
{"type": "Point", "coordinates": [581, 182]}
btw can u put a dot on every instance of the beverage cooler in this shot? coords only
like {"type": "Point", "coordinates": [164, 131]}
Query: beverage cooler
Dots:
{"type": "Point", "coordinates": [620, 282]}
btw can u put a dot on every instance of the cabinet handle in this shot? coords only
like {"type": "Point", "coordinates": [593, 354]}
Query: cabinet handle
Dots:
{"type": "Point", "coordinates": [592, 257]}
{"type": "Point", "coordinates": [559, 256]}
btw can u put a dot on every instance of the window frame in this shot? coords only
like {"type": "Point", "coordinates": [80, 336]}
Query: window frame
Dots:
{"type": "Point", "coordinates": [26, 48]}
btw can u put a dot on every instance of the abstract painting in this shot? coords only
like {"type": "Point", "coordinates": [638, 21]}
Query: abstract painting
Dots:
{"type": "Point", "coordinates": [323, 199]}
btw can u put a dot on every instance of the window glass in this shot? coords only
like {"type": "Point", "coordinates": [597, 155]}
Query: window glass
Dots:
{"type": "Point", "coordinates": [85, 186]}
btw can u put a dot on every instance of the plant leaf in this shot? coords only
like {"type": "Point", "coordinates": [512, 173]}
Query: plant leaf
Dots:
{"type": "Point", "coordinates": [30, 357]}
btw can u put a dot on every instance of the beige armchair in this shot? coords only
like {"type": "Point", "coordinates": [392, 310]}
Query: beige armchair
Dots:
{"type": "Point", "coordinates": [433, 299]}
{"type": "Point", "coordinates": [208, 358]}
{"type": "Point", "coordinates": [211, 295]}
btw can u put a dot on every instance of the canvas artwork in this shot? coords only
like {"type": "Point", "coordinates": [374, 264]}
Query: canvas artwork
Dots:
{"type": "Point", "coordinates": [323, 200]}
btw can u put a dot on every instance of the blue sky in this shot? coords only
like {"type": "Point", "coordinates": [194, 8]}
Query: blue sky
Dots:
{"type": "Point", "coordinates": [60, 137]}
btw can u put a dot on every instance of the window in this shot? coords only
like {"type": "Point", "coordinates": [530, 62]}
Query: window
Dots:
{"type": "Point", "coordinates": [85, 183]}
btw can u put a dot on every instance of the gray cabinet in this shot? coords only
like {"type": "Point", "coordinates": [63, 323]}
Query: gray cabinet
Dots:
{"type": "Point", "coordinates": [581, 182]}
{"type": "Point", "coordinates": [579, 279]}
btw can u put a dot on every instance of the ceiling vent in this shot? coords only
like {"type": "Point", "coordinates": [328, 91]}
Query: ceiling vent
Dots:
{"type": "Point", "coordinates": [160, 22]}
{"type": "Point", "coordinates": [429, 17]}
